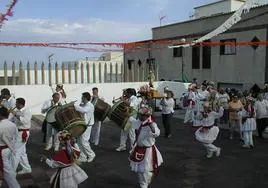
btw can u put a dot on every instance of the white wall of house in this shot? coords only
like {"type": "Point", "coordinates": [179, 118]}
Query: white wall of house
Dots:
{"type": "Point", "coordinates": [35, 95]}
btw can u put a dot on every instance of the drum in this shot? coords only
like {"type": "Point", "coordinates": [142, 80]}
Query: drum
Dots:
{"type": "Point", "coordinates": [50, 117]}
{"type": "Point", "coordinates": [71, 120]}
{"type": "Point", "coordinates": [101, 109]}
{"type": "Point", "coordinates": [118, 114]}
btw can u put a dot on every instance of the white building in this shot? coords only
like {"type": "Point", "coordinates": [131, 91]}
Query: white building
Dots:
{"type": "Point", "coordinates": [226, 65]}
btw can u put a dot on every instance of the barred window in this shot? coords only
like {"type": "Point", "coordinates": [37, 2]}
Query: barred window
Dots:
{"type": "Point", "coordinates": [228, 49]}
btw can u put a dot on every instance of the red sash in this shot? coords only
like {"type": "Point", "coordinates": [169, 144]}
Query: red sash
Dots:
{"type": "Point", "coordinates": [24, 135]}
{"type": "Point", "coordinates": [1, 162]}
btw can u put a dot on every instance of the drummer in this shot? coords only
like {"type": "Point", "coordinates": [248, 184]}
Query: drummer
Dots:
{"type": "Point", "coordinates": [95, 131]}
{"type": "Point", "coordinates": [7, 100]}
{"type": "Point", "coordinates": [59, 89]}
{"type": "Point", "coordinates": [50, 130]}
{"type": "Point", "coordinates": [87, 109]}
{"type": "Point", "coordinates": [133, 105]}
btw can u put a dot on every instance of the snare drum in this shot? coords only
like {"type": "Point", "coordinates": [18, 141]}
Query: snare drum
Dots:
{"type": "Point", "coordinates": [118, 114]}
{"type": "Point", "coordinates": [101, 109]}
{"type": "Point", "coordinates": [71, 120]}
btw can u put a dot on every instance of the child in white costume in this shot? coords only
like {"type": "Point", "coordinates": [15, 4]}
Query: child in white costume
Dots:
{"type": "Point", "coordinates": [69, 174]}
{"type": "Point", "coordinates": [208, 133]}
{"type": "Point", "coordinates": [145, 157]}
{"type": "Point", "coordinates": [248, 122]}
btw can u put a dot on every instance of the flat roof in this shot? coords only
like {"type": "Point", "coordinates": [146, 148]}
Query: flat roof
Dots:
{"type": "Point", "coordinates": [205, 17]}
{"type": "Point", "coordinates": [217, 3]}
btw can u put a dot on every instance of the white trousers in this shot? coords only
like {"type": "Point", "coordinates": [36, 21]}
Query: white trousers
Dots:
{"type": "Point", "coordinates": [123, 137]}
{"type": "Point", "coordinates": [145, 179]}
{"type": "Point", "coordinates": [83, 142]}
{"type": "Point", "coordinates": [95, 133]}
{"type": "Point", "coordinates": [189, 115]}
{"type": "Point", "coordinates": [51, 137]}
{"type": "Point", "coordinates": [247, 137]}
{"type": "Point", "coordinates": [210, 147]}
{"type": "Point", "coordinates": [21, 155]}
{"type": "Point", "coordinates": [9, 173]}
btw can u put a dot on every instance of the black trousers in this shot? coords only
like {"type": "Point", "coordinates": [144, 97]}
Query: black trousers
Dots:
{"type": "Point", "coordinates": [167, 123]}
{"type": "Point", "coordinates": [261, 125]}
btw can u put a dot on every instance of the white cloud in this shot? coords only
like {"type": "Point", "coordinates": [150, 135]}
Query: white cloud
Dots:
{"type": "Point", "coordinates": [93, 29]}
{"type": "Point", "coordinates": [52, 30]}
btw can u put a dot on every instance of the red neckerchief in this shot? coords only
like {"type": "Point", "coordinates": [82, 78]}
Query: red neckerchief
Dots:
{"type": "Point", "coordinates": [147, 122]}
{"type": "Point", "coordinates": [250, 110]}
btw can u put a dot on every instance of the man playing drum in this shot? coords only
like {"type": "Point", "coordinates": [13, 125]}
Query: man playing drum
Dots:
{"type": "Point", "coordinates": [133, 104]}
{"type": "Point", "coordinates": [95, 132]}
{"type": "Point", "coordinates": [87, 109]}
{"type": "Point", "coordinates": [22, 116]}
{"type": "Point", "coordinates": [50, 130]}
{"type": "Point", "coordinates": [59, 89]}
{"type": "Point", "coordinates": [8, 101]}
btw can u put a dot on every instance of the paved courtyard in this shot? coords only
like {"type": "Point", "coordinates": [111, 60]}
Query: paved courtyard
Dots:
{"type": "Point", "coordinates": [185, 165]}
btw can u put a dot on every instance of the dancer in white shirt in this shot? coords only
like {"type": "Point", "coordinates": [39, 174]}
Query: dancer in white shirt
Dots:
{"type": "Point", "coordinates": [22, 116]}
{"type": "Point", "coordinates": [145, 158]}
{"type": "Point", "coordinates": [87, 109]}
{"type": "Point", "coordinates": [248, 122]}
{"type": "Point", "coordinates": [192, 104]}
{"type": "Point", "coordinates": [8, 136]}
{"type": "Point", "coordinates": [208, 133]}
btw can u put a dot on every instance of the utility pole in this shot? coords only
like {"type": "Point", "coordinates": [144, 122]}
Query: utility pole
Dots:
{"type": "Point", "coordinates": [161, 18]}
{"type": "Point", "coordinates": [49, 57]}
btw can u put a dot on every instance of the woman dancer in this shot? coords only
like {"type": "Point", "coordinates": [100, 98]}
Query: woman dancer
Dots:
{"type": "Point", "coordinates": [69, 174]}
{"type": "Point", "coordinates": [248, 122]}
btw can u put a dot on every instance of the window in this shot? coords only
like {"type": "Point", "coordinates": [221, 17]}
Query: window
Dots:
{"type": "Point", "coordinates": [228, 49]}
{"type": "Point", "coordinates": [206, 58]}
{"type": "Point", "coordinates": [196, 57]}
{"type": "Point", "coordinates": [177, 52]}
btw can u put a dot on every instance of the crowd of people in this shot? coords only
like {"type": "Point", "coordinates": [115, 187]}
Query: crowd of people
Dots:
{"type": "Point", "coordinates": [207, 107]}
{"type": "Point", "coordinates": [70, 151]}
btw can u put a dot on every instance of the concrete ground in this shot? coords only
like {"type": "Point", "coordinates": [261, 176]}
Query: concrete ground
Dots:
{"type": "Point", "coordinates": [185, 165]}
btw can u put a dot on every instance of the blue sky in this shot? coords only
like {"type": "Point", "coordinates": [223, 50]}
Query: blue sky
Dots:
{"type": "Point", "coordinates": [85, 21]}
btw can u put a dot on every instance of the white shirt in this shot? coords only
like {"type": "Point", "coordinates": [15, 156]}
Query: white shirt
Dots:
{"type": "Point", "coordinates": [134, 102]}
{"type": "Point", "coordinates": [8, 134]}
{"type": "Point", "coordinates": [167, 105]}
{"type": "Point", "coordinates": [22, 119]}
{"type": "Point", "coordinates": [146, 137]}
{"type": "Point", "coordinates": [87, 110]}
{"type": "Point", "coordinates": [204, 94]}
{"type": "Point", "coordinates": [209, 121]}
{"type": "Point", "coordinates": [261, 109]}
{"type": "Point", "coordinates": [223, 99]}
{"type": "Point", "coordinates": [47, 105]}
{"type": "Point", "coordinates": [10, 103]}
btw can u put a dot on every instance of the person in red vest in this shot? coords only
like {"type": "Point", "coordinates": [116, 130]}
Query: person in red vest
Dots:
{"type": "Point", "coordinates": [69, 174]}
{"type": "Point", "coordinates": [145, 158]}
